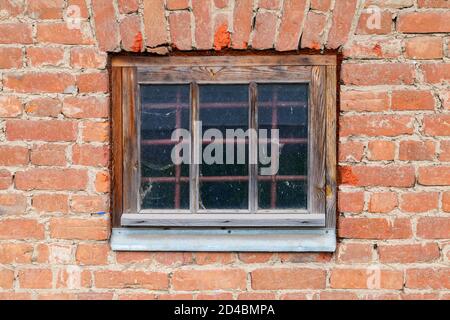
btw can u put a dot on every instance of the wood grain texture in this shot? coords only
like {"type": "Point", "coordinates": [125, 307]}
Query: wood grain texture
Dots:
{"type": "Point", "coordinates": [130, 140]}
{"type": "Point", "coordinates": [316, 148]}
{"type": "Point", "coordinates": [116, 145]}
{"type": "Point", "coordinates": [249, 60]}
{"type": "Point", "coordinates": [331, 152]}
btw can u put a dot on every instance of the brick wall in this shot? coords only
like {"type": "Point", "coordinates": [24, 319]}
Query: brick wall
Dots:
{"type": "Point", "coordinates": [394, 152]}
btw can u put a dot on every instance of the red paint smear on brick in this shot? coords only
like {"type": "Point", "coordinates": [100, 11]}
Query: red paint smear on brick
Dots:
{"type": "Point", "coordinates": [137, 45]}
{"type": "Point", "coordinates": [346, 176]}
{"type": "Point", "coordinates": [222, 38]}
{"type": "Point", "coordinates": [377, 50]}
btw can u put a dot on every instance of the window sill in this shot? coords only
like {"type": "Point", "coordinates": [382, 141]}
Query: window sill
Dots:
{"type": "Point", "coordinates": [221, 240]}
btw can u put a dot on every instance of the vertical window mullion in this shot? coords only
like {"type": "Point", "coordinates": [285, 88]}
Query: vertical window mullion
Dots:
{"type": "Point", "coordinates": [253, 148]}
{"type": "Point", "coordinates": [195, 150]}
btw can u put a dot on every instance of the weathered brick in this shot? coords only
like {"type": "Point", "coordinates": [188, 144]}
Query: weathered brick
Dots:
{"type": "Point", "coordinates": [381, 150]}
{"type": "Point", "coordinates": [433, 228]}
{"type": "Point", "coordinates": [437, 124]}
{"type": "Point", "coordinates": [313, 30]}
{"type": "Point", "coordinates": [130, 33]}
{"type": "Point", "coordinates": [79, 229]}
{"type": "Point", "coordinates": [88, 204]}
{"type": "Point", "coordinates": [424, 48]}
{"type": "Point", "coordinates": [412, 100]}
{"type": "Point", "coordinates": [60, 33]}
{"type": "Point", "coordinates": [321, 5]}
{"type": "Point", "coordinates": [288, 278]}
{"type": "Point", "coordinates": [383, 202]}
{"type": "Point", "coordinates": [12, 204]}
{"type": "Point", "coordinates": [374, 228]}
{"type": "Point", "coordinates": [372, 48]}
{"type": "Point", "coordinates": [6, 278]}
{"type": "Point", "coordinates": [13, 155]}
{"type": "Point", "coordinates": [428, 278]}
{"type": "Point", "coordinates": [85, 107]}
{"type": "Point", "coordinates": [87, 58]}
{"type": "Point", "coordinates": [180, 31]}
{"type": "Point", "coordinates": [155, 23]}
{"type": "Point", "coordinates": [46, 9]}
{"type": "Point", "coordinates": [436, 72]}
{"type": "Point", "coordinates": [128, 6]}
{"type": "Point", "coordinates": [50, 203]}
{"type": "Point", "coordinates": [445, 151]}
{"type": "Point", "coordinates": [343, 14]}
{"type": "Point", "coordinates": [434, 176]}
{"type": "Point", "coordinates": [131, 279]}
{"type": "Point", "coordinates": [433, 4]}
{"type": "Point", "coordinates": [366, 279]}
{"type": "Point", "coordinates": [367, 24]}
{"type": "Point", "coordinates": [21, 229]}
{"type": "Point", "coordinates": [5, 179]}
{"type": "Point", "coordinates": [376, 125]}
{"type": "Point", "coordinates": [95, 131]}
{"type": "Point", "coordinates": [417, 150]}
{"type": "Point", "coordinates": [408, 253]}
{"type": "Point", "coordinates": [290, 27]}
{"type": "Point", "coordinates": [388, 176]}
{"type": "Point", "coordinates": [40, 57]}
{"type": "Point", "coordinates": [49, 155]}
{"type": "Point", "coordinates": [370, 74]}
{"type": "Point", "coordinates": [15, 253]}
{"type": "Point", "coordinates": [43, 107]}
{"type": "Point", "coordinates": [352, 202]}
{"type": "Point", "coordinates": [45, 130]}
{"type": "Point", "coordinates": [106, 26]}
{"type": "Point", "coordinates": [93, 82]}
{"type": "Point", "coordinates": [223, 279]}
{"type": "Point", "coordinates": [355, 253]}
{"type": "Point", "coordinates": [10, 107]}
{"type": "Point", "coordinates": [242, 24]}
{"type": "Point", "coordinates": [102, 182]}
{"type": "Point", "coordinates": [92, 254]}
{"type": "Point", "coordinates": [417, 202]}
{"type": "Point", "coordinates": [364, 101]}
{"type": "Point", "coordinates": [40, 82]}
{"type": "Point", "coordinates": [351, 151]}
{"type": "Point", "coordinates": [51, 179]}
{"type": "Point", "coordinates": [423, 22]}
{"type": "Point", "coordinates": [10, 58]}
{"type": "Point", "coordinates": [15, 33]}
{"type": "Point", "coordinates": [265, 29]}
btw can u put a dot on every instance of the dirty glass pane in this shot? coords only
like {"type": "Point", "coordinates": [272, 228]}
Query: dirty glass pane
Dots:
{"type": "Point", "coordinates": [164, 185]}
{"type": "Point", "coordinates": [283, 107]}
{"type": "Point", "coordinates": [224, 184]}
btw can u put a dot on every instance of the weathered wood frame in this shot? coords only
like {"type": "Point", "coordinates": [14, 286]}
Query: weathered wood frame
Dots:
{"type": "Point", "coordinates": [316, 70]}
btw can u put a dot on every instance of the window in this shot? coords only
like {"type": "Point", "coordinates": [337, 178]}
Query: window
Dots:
{"type": "Point", "coordinates": [224, 153]}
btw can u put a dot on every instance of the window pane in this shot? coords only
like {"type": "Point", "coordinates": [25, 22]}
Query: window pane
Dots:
{"type": "Point", "coordinates": [164, 185]}
{"type": "Point", "coordinates": [283, 108]}
{"type": "Point", "coordinates": [224, 184]}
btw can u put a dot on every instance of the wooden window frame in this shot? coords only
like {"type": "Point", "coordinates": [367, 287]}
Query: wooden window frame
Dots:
{"type": "Point", "coordinates": [130, 223]}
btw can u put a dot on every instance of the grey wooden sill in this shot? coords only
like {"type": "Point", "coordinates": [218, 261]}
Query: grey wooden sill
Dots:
{"type": "Point", "coordinates": [222, 240]}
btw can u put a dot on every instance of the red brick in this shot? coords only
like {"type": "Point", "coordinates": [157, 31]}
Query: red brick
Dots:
{"type": "Point", "coordinates": [264, 32]}
{"type": "Point", "coordinates": [13, 155]}
{"type": "Point", "coordinates": [433, 228]}
{"type": "Point", "coordinates": [210, 296]}
{"type": "Point", "coordinates": [79, 229]}
{"type": "Point", "coordinates": [173, 258]}
{"type": "Point", "coordinates": [106, 26]}
{"type": "Point", "coordinates": [381, 150]}
{"type": "Point", "coordinates": [337, 295]}
{"type": "Point", "coordinates": [12, 203]}
{"type": "Point", "coordinates": [436, 72]}
{"type": "Point", "coordinates": [10, 295]}
{"type": "Point", "coordinates": [81, 4]}
{"type": "Point", "coordinates": [376, 176]}
{"type": "Point", "coordinates": [10, 58]}
{"type": "Point", "coordinates": [256, 296]}
{"type": "Point", "coordinates": [131, 279]}
{"type": "Point", "coordinates": [49, 155]}
{"type": "Point", "coordinates": [290, 27]}
{"type": "Point", "coordinates": [434, 176]}
{"type": "Point", "coordinates": [143, 296]}
{"type": "Point", "coordinates": [95, 132]}
{"type": "Point", "coordinates": [5, 179]}
{"type": "Point", "coordinates": [155, 23]}
{"type": "Point", "coordinates": [15, 253]}
{"type": "Point", "coordinates": [376, 125]}
{"type": "Point", "coordinates": [366, 23]}
{"type": "Point", "coordinates": [351, 151]}
{"type": "Point", "coordinates": [45, 130]}
{"type": "Point", "coordinates": [51, 179]}
{"type": "Point", "coordinates": [93, 82]}
{"type": "Point", "coordinates": [446, 201]}
{"type": "Point", "coordinates": [87, 58]}
{"type": "Point", "coordinates": [88, 204]}
{"type": "Point", "coordinates": [419, 202]}
{"type": "Point", "coordinates": [21, 229]}
{"type": "Point", "coordinates": [269, 4]}
{"type": "Point", "coordinates": [102, 182]}
{"type": "Point", "coordinates": [408, 253]}
{"type": "Point", "coordinates": [364, 101]}
{"type": "Point", "coordinates": [130, 33]}
{"type": "Point", "coordinates": [321, 5]}
{"type": "Point", "coordinates": [343, 14]}
{"type": "Point", "coordinates": [92, 254]}
{"type": "Point", "coordinates": [288, 278]}
{"type": "Point", "coordinates": [434, 4]}
{"type": "Point", "coordinates": [35, 279]}
{"type": "Point", "coordinates": [61, 34]}
{"type": "Point", "coordinates": [43, 107]}
{"type": "Point", "coordinates": [424, 48]}
{"type": "Point", "coordinates": [423, 22]}
{"type": "Point", "coordinates": [204, 258]}
{"type": "Point", "coordinates": [222, 279]}
{"type": "Point", "coordinates": [180, 30]}
{"type": "Point", "coordinates": [369, 48]}
{"type": "Point", "coordinates": [130, 257]}
{"type": "Point", "coordinates": [10, 107]}
{"type": "Point", "coordinates": [374, 228]}
{"type": "Point", "coordinates": [352, 202]}
{"type": "Point", "coordinates": [50, 203]}
{"type": "Point", "coordinates": [255, 257]}
{"type": "Point", "coordinates": [85, 107]}
{"type": "Point", "coordinates": [412, 100]}
{"type": "Point", "coordinates": [305, 257]}
{"type": "Point", "coordinates": [128, 6]}
{"type": "Point", "coordinates": [40, 82]}
{"type": "Point", "coordinates": [437, 125]}
{"type": "Point", "coordinates": [383, 202]}
{"type": "Point", "coordinates": [222, 37]}
{"type": "Point", "coordinates": [417, 150]}
{"type": "Point", "coordinates": [15, 33]}
{"type": "Point", "coordinates": [427, 278]}
{"type": "Point", "coordinates": [361, 279]}
{"type": "Point", "coordinates": [313, 30]}
{"type": "Point", "coordinates": [242, 24]}
{"type": "Point", "coordinates": [6, 278]}
{"type": "Point", "coordinates": [377, 74]}
{"type": "Point", "coordinates": [45, 9]}
{"type": "Point", "coordinates": [445, 98]}
{"type": "Point", "coordinates": [39, 57]}
{"type": "Point", "coordinates": [355, 253]}
{"type": "Point", "coordinates": [12, 8]}
{"type": "Point", "coordinates": [203, 24]}
{"type": "Point", "coordinates": [177, 4]}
